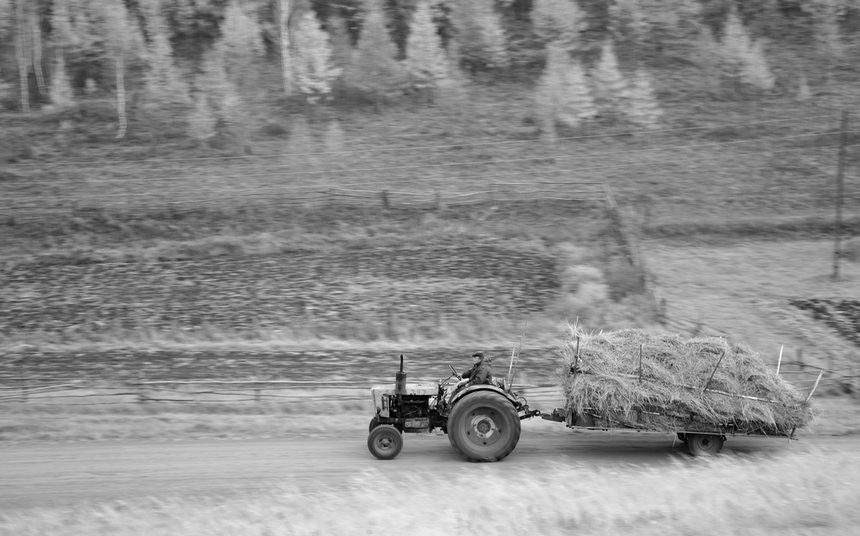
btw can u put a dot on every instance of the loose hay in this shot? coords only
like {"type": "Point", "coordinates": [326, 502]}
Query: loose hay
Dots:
{"type": "Point", "coordinates": [744, 395]}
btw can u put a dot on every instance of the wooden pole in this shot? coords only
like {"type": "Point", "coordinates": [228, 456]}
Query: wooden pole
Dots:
{"type": "Point", "coordinates": [23, 381]}
{"type": "Point", "coordinates": [640, 363]}
{"type": "Point", "coordinates": [840, 173]}
{"type": "Point", "coordinates": [707, 383]}
{"type": "Point", "coordinates": [814, 387]}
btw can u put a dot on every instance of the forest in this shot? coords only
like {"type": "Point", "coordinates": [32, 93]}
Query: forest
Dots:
{"type": "Point", "coordinates": [216, 69]}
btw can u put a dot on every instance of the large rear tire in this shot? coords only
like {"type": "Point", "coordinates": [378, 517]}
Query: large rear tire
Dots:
{"type": "Point", "coordinates": [385, 442]}
{"type": "Point", "coordinates": [484, 427]}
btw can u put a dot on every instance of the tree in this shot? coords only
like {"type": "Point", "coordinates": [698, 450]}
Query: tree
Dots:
{"type": "Point", "coordinates": [6, 24]}
{"type": "Point", "coordinates": [201, 120]}
{"type": "Point", "coordinates": [313, 66]}
{"type": "Point", "coordinates": [562, 94]}
{"type": "Point", "coordinates": [333, 138]}
{"type": "Point", "coordinates": [559, 22]}
{"type": "Point", "coordinates": [166, 92]}
{"type": "Point", "coordinates": [23, 53]}
{"type": "Point", "coordinates": [610, 82]}
{"type": "Point", "coordinates": [123, 42]}
{"type": "Point", "coordinates": [480, 39]}
{"type": "Point", "coordinates": [425, 58]}
{"type": "Point", "coordinates": [375, 69]}
{"type": "Point", "coordinates": [742, 58]}
{"type": "Point", "coordinates": [236, 55]}
{"type": "Point", "coordinates": [285, 12]}
{"type": "Point", "coordinates": [642, 106]}
{"type": "Point", "coordinates": [60, 90]}
{"type": "Point", "coordinates": [826, 16]}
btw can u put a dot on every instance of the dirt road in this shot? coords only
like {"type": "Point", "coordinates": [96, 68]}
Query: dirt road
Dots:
{"type": "Point", "coordinates": [40, 474]}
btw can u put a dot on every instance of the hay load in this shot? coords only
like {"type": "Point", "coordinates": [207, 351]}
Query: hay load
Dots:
{"type": "Point", "coordinates": [700, 384]}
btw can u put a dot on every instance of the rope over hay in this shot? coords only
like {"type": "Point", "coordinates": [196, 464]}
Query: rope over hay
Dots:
{"type": "Point", "coordinates": [674, 392]}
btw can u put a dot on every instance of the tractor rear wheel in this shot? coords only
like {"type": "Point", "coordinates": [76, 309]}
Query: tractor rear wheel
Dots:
{"type": "Point", "coordinates": [704, 444]}
{"type": "Point", "coordinates": [385, 442]}
{"type": "Point", "coordinates": [484, 427]}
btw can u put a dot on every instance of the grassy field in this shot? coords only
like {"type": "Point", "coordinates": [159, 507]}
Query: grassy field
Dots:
{"type": "Point", "coordinates": [812, 493]}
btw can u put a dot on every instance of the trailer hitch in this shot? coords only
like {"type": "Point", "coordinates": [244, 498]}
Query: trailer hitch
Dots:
{"type": "Point", "coordinates": [529, 413]}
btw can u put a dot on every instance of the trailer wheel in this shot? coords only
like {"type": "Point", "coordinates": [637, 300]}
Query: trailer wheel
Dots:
{"type": "Point", "coordinates": [385, 442]}
{"type": "Point", "coordinates": [484, 427]}
{"type": "Point", "coordinates": [704, 444]}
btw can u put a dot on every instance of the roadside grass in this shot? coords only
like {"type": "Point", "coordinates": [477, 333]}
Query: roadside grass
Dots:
{"type": "Point", "coordinates": [807, 493]}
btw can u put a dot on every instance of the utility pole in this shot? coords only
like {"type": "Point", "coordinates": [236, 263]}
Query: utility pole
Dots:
{"type": "Point", "coordinates": [840, 171]}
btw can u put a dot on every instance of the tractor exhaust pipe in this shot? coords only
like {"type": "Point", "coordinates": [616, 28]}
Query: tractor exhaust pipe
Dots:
{"type": "Point", "coordinates": [400, 381]}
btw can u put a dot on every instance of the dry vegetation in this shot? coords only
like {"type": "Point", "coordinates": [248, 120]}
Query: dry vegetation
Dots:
{"type": "Point", "coordinates": [691, 383]}
{"type": "Point", "coordinates": [812, 493]}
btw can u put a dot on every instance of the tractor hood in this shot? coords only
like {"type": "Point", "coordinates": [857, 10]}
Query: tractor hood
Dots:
{"type": "Point", "coordinates": [421, 389]}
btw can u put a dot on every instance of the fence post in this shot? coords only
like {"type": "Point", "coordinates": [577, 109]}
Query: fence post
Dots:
{"type": "Point", "coordinates": [385, 199]}
{"type": "Point", "coordinates": [840, 172]}
{"type": "Point", "coordinates": [23, 380]}
{"type": "Point", "coordinates": [141, 395]}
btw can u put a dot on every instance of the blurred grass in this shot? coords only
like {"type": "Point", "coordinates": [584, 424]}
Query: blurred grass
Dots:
{"type": "Point", "coordinates": [810, 493]}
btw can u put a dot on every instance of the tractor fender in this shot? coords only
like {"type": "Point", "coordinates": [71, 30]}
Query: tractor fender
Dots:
{"type": "Point", "coordinates": [475, 388]}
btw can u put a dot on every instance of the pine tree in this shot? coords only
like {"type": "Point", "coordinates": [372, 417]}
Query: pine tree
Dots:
{"type": "Point", "coordinates": [610, 82]}
{"type": "Point", "coordinates": [560, 22]}
{"type": "Point", "coordinates": [300, 148]}
{"type": "Point", "coordinates": [60, 90]}
{"type": "Point", "coordinates": [562, 94]}
{"type": "Point", "coordinates": [283, 12]}
{"type": "Point", "coordinates": [123, 42]}
{"type": "Point", "coordinates": [237, 52]}
{"type": "Point", "coordinates": [481, 43]}
{"type": "Point", "coordinates": [341, 43]}
{"type": "Point", "coordinates": [425, 58]}
{"type": "Point", "coordinates": [166, 93]}
{"type": "Point", "coordinates": [826, 16]}
{"type": "Point", "coordinates": [375, 69]}
{"type": "Point", "coordinates": [6, 30]}
{"type": "Point", "coordinates": [313, 66]}
{"type": "Point", "coordinates": [201, 119]}
{"type": "Point", "coordinates": [744, 58]}
{"type": "Point", "coordinates": [333, 138]}
{"type": "Point", "coordinates": [642, 106]}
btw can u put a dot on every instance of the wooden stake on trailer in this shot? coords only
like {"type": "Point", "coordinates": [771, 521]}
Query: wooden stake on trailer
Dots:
{"type": "Point", "coordinates": [640, 363]}
{"type": "Point", "coordinates": [707, 383]}
{"type": "Point", "coordinates": [779, 361]}
{"type": "Point", "coordinates": [814, 387]}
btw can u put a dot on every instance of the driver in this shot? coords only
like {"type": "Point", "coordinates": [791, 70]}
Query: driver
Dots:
{"type": "Point", "coordinates": [479, 374]}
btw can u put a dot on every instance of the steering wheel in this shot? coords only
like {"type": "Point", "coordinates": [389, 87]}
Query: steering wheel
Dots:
{"type": "Point", "coordinates": [457, 374]}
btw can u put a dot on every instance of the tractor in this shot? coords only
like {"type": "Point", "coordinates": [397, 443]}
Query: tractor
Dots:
{"type": "Point", "coordinates": [482, 421]}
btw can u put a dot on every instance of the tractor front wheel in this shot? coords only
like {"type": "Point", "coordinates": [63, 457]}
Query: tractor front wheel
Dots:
{"type": "Point", "coordinates": [484, 427]}
{"type": "Point", "coordinates": [385, 442]}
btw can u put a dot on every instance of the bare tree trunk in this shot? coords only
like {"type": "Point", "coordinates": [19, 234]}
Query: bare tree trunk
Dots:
{"type": "Point", "coordinates": [120, 95]}
{"type": "Point", "coordinates": [23, 56]}
{"type": "Point", "coordinates": [283, 12]}
{"type": "Point", "coordinates": [36, 29]}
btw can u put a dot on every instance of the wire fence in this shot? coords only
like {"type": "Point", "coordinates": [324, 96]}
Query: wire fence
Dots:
{"type": "Point", "coordinates": [34, 390]}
